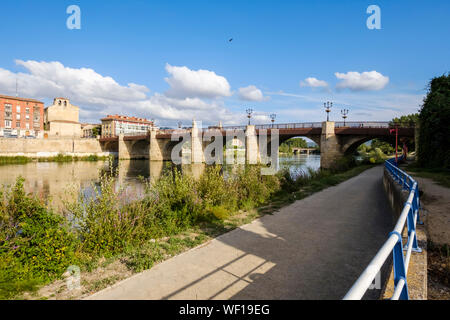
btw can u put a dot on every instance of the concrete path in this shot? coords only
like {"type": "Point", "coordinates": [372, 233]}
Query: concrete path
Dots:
{"type": "Point", "coordinates": [314, 248]}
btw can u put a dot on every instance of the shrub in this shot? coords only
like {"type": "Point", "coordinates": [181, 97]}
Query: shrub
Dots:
{"type": "Point", "coordinates": [35, 245]}
{"type": "Point", "coordinates": [253, 188]}
{"type": "Point", "coordinates": [343, 164]}
{"type": "Point", "coordinates": [172, 202]}
{"type": "Point", "coordinates": [105, 222]}
{"type": "Point", "coordinates": [220, 212]}
{"type": "Point", "coordinates": [214, 190]}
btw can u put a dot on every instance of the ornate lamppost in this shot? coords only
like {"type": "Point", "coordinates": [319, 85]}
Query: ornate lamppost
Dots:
{"type": "Point", "coordinates": [328, 105]}
{"type": "Point", "coordinates": [249, 114]}
{"type": "Point", "coordinates": [152, 120]}
{"type": "Point", "coordinates": [344, 113]}
{"type": "Point", "coordinates": [272, 118]}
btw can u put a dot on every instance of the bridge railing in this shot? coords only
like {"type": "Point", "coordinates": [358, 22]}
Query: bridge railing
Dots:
{"type": "Point", "coordinates": [338, 124]}
{"type": "Point", "coordinates": [278, 126]}
{"type": "Point", "coordinates": [362, 124]}
{"type": "Point", "coordinates": [394, 244]}
{"type": "Point", "coordinates": [301, 125]}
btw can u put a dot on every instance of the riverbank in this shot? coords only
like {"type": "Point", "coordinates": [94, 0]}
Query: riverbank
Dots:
{"type": "Point", "coordinates": [133, 238]}
{"type": "Point", "coordinates": [4, 160]}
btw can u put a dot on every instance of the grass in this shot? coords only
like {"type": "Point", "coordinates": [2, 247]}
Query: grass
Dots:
{"type": "Point", "coordinates": [14, 160]}
{"type": "Point", "coordinates": [439, 175]}
{"type": "Point", "coordinates": [176, 213]}
{"type": "Point", "coordinates": [4, 160]}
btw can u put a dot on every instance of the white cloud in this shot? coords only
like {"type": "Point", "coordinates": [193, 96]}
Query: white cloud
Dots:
{"type": "Point", "coordinates": [187, 83]}
{"type": "Point", "coordinates": [251, 93]}
{"type": "Point", "coordinates": [98, 95]}
{"type": "Point", "coordinates": [363, 106]}
{"type": "Point", "coordinates": [313, 83]}
{"type": "Point", "coordinates": [79, 83]}
{"type": "Point", "coordinates": [355, 81]}
{"type": "Point", "coordinates": [260, 118]}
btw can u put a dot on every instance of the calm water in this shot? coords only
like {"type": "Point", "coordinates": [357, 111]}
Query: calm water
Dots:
{"type": "Point", "coordinates": [53, 181]}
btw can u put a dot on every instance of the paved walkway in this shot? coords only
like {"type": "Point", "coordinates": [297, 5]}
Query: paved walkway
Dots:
{"type": "Point", "coordinates": [314, 248]}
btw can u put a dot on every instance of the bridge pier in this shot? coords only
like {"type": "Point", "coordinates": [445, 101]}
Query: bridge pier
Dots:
{"type": "Point", "coordinates": [330, 148]}
{"type": "Point", "coordinates": [252, 155]}
{"type": "Point", "coordinates": [124, 153]}
{"type": "Point", "coordinates": [197, 155]}
{"type": "Point", "coordinates": [155, 151]}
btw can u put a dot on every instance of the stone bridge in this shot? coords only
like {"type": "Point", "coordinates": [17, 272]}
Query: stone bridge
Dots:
{"type": "Point", "coordinates": [303, 150]}
{"type": "Point", "coordinates": [334, 139]}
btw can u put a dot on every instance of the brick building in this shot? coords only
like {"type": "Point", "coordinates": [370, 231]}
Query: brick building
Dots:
{"type": "Point", "coordinates": [113, 125]}
{"type": "Point", "coordinates": [20, 117]}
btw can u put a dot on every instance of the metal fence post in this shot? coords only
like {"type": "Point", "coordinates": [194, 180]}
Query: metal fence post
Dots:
{"type": "Point", "coordinates": [412, 227]}
{"type": "Point", "coordinates": [417, 200]}
{"type": "Point", "coordinates": [399, 266]}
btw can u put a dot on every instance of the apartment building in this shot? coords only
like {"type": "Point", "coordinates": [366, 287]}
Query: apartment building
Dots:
{"type": "Point", "coordinates": [21, 117]}
{"type": "Point", "coordinates": [113, 125]}
{"type": "Point", "coordinates": [90, 130]}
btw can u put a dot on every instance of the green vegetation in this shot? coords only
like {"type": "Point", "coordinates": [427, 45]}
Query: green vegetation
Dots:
{"type": "Point", "coordinates": [440, 175]}
{"type": "Point", "coordinates": [14, 160]}
{"type": "Point", "coordinates": [35, 245]}
{"type": "Point", "coordinates": [176, 213]}
{"type": "Point", "coordinates": [57, 158]}
{"type": "Point", "coordinates": [68, 158]}
{"type": "Point", "coordinates": [434, 139]}
{"type": "Point", "coordinates": [409, 120]}
{"type": "Point", "coordinates": [377, 152]}
{"type": "Point", "coordinates": [97, 131]}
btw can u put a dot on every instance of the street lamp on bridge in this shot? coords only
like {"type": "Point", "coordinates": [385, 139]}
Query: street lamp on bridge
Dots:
{"type": "Point", "coordinates": [344, 113]}
{"type": "Point", "coordinates": [249, 114]}
{"type": "Point", "coordinates": [272, 118]}
{"type": "Point", "coordinates": [328, 105]}
{"type": "Point", "coordinates": [153, 124]}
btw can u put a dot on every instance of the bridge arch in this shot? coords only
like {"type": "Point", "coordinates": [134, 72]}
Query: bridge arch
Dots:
{"type": "Point", "coordinates": [315, 138]}
{"type": "Point", "coordinates": [351, 144]}
{"type": "Point", "coordinates": [139, 149]}
{"type": "Point", "coordinates": [110, 146]}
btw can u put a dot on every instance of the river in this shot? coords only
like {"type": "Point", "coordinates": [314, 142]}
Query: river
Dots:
{"type": "Point", "coordinates": [56, 181]}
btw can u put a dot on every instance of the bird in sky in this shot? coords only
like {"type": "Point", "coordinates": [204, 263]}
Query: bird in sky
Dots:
{"type": "Point", "coordinates": [230, 40]}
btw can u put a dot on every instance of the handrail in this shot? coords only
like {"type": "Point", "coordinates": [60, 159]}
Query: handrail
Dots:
{"type": "Point", "coordinates": [394, 244]}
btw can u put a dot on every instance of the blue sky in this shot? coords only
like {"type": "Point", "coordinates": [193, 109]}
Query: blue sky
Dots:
{"type": "Point", "coordinates": [143, 57]}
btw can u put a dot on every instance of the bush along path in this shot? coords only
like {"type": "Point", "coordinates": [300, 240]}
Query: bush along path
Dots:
{"type": "Point", "coordinates": [110, 237]}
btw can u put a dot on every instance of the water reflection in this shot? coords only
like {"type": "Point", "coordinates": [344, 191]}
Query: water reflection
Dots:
{"type": "Point", "coordinates": [52, 180]}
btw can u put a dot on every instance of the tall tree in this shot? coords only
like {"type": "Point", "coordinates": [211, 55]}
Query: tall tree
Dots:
{"type": "Point", "coordinates": [434, 118]}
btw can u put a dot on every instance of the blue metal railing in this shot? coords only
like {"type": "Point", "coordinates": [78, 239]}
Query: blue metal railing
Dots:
{"type": "Point", "coordinates": [394, 244]}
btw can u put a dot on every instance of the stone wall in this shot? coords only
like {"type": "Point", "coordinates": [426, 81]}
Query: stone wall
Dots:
{"type": "Point", "coordinates": [64, 129]}
{"type": "Point", "coordinates": [50, 147]}
{"type": "Point", "coordinates": [417, 271]}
